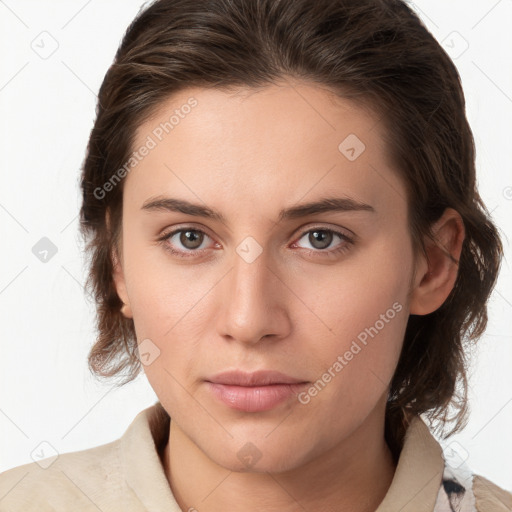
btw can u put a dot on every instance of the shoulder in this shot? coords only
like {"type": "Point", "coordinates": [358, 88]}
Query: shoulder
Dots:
{"type": "Point", "coordinates": [489, 497]}
{"type": "Point", "coordinates": [430, 476]}
{"type": "Point", "coordinates": [75, 480]}
{"type": "Point", "coordinates": [125, 474]}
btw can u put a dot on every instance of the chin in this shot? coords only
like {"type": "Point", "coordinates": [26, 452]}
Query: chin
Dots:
{"type": "Point", "coordinates": [260, 456]}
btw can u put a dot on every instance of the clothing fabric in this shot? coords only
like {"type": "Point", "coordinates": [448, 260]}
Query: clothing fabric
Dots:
{"type": "Point", "coordinates": [127, 475]}
{"type": "Point", "coordinates": [456, 492]}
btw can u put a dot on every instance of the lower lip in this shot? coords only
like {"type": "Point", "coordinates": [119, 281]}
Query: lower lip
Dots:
{"type": "Point", "coordinates": [254, 398]}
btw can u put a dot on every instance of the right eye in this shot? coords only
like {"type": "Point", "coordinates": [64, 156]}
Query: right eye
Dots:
{"type": "Point", "coordinates": [188, 238]}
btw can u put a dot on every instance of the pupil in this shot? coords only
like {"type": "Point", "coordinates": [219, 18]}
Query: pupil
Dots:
{"type": "Point", "coordinates": [189, 239]}
{"type": "Point", "coordinates": [324, 237]}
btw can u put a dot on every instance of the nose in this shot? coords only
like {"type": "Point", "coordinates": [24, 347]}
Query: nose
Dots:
{"type": "Point", "coordinates": [252, 302]}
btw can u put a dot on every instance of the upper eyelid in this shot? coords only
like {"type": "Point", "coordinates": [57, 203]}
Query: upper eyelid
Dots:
{"type": "Point", "coordinates": [173, 231]}
{"type": "Point", "coordinates": [299, 231]}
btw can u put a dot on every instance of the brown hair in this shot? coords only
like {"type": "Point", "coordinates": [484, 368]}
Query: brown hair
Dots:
{"type": "Point", "coordinates": [377, 53]}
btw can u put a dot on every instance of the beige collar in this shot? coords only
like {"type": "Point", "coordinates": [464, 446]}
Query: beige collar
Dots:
{"type": "Point", "coordinates": [414, 487]}
{"type": "Point", "coordinates": [419, 472]}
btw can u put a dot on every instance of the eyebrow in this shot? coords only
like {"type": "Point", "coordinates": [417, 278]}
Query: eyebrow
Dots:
{"type": "Point", "coordinates": [329, 204]}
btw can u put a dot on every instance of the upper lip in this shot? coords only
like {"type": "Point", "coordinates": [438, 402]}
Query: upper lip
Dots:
{"type": "Point", "coordinates": [258, 378]}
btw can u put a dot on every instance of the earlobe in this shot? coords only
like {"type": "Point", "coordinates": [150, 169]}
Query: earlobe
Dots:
{"type": "Point", "coordinates": [126, 310]}
{"type": "Point", "coordinates": [120, 284]}
{"type": "Point", "coordinates": [436, 275]}
{"type": "Point", "coordinates": [118, 276]}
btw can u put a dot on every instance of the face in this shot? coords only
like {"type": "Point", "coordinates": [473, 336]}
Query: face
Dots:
{"type": "Point", "coordinates": [319, 294]}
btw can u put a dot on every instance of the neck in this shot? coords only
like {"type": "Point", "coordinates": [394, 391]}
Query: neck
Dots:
{"type": "Point", "coordinates": [354, 475]}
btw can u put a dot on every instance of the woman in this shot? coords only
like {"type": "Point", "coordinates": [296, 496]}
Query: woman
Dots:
{"type": "Point", "coordinates": [285, 233]}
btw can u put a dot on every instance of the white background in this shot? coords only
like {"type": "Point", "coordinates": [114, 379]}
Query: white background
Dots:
{"type": "Point", "coordinates": [47, 321]}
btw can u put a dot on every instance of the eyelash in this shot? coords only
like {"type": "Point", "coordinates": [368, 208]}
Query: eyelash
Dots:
{"type": "Point", "coordinates": [325, 253]}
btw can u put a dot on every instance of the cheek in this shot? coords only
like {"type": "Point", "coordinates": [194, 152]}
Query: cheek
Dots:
{"type": "Point", "coordinates": [356, 361]}
{"type": "Point", "coordinates": [369, 289]}
{"type": "Point", "coordinates": [163, 293]}
{"type": "Point", "coordinates": [362, 316]}
{"type": "Point", "coordinates": [165, 299]}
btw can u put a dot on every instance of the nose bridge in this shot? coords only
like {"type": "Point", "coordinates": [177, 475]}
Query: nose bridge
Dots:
{"type": "Point", "coordinates": [252, 305]}
{"type": "Point", "coordinates": [249, 277]}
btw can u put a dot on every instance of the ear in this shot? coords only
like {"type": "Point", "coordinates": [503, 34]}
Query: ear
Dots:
{"type": "Point", "coordinates": [118, 277]}
{"type": "Point", "coordinates": [435, 275]}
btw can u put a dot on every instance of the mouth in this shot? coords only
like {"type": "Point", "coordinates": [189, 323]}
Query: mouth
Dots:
{"type": "Point", "coordinates": [254, 392]}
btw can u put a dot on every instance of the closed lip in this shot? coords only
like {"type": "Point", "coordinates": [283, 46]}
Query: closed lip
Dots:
{"type": "Point", "coordinates": [257, 378]}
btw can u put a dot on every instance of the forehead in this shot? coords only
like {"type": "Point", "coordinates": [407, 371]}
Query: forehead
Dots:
{"type": "Point", "coordinates": [263, 114]}
{"type": "Point", "coordinates": [275, 145]}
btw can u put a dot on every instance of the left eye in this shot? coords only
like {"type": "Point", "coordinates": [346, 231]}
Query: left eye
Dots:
{"type": "Point", "coordinates": [321, 239]}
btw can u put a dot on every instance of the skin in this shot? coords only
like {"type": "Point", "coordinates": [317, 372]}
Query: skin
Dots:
{"type": "Point", "coordinates": [249, 154]}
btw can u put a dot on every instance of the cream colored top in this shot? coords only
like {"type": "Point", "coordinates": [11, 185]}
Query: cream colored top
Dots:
{"type": "Point", "coordinates": [127, 475]}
